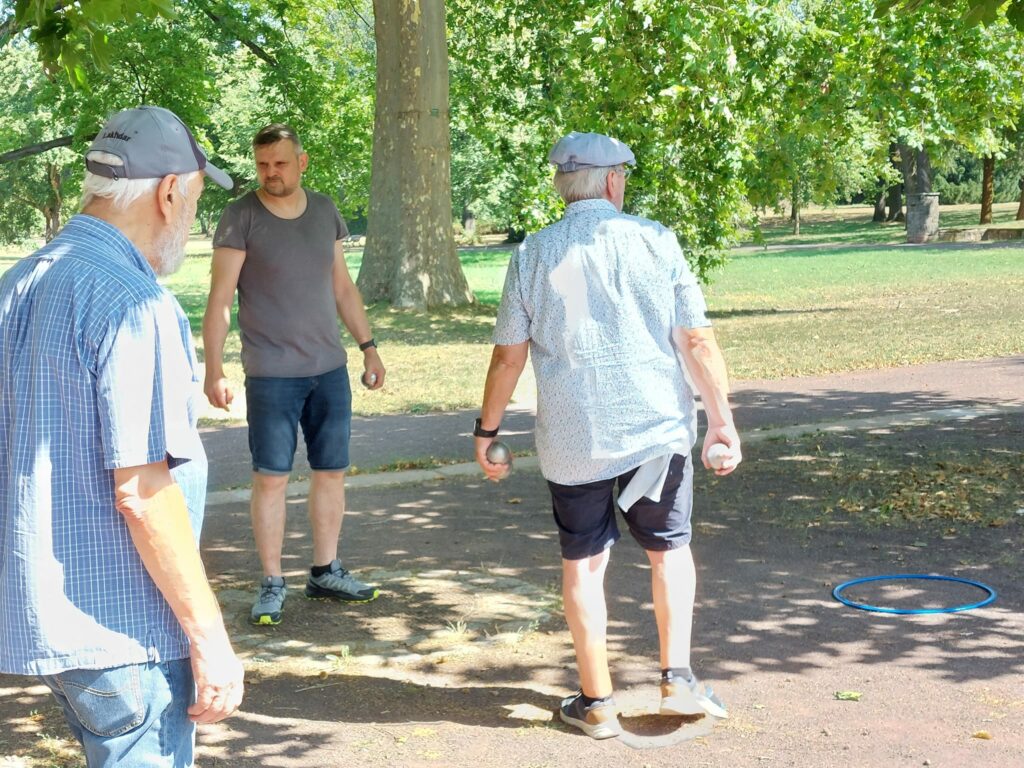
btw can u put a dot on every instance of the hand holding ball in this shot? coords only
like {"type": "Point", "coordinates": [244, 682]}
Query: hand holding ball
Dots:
{"type": "Point", "coordinates": [499, 453]}
{"type": "Point", "coordinates": [369, 379]}
{"type": "Point", "coordinates": [718, 454]}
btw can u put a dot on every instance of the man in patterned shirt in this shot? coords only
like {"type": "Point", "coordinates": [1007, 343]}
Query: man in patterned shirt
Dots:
{"type": "Point", "coordinates": [607, 307]}
{"type": "Point", "coordinates": [103, 596]}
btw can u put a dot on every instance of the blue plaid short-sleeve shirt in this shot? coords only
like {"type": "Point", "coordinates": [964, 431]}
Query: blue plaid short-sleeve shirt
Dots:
{"type": "Point", "coordinates": [597, 295]}
{"type": "Point", "coordinates": [97, 372]}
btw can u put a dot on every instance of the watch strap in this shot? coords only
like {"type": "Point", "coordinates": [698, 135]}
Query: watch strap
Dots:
{"type": "Point", "coordinates": [479, 431]}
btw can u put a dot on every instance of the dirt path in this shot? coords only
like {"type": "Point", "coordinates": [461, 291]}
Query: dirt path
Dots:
{"type": "Point", "coordinates": [462, 661]}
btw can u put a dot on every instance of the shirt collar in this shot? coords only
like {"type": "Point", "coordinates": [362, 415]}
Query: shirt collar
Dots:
{"type": "Point", "coordinates": [596, 204]}
{"type": "Point", "coordinates": [113, 240]}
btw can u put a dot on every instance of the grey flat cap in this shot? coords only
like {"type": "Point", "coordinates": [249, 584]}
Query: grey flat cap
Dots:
{"type": "Point", "coordinates": [152, 142]}
{"type": "Point", "coordinates": [589, 150]}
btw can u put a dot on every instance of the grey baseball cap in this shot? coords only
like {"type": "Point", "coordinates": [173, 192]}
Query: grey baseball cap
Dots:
{"type": "Point", "coordinates": [152, 142]}
{"type": "Point", "coordinates": [589, 150]}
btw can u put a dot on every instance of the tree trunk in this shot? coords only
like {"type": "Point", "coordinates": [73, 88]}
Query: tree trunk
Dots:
{"type": "Point", "coordinates": [795, 214]}
{"type": "Point", "coordinates": [53, 207]}
{"type": "Point", "coordinates": [468, 222]}
{"type": "Point", "coordinates": [987, 189]}
{"type": "Point", "coordinates": [1020, 205]}
{"type": "Point", "coordinates": [879, 215]}
{"type": "Point", "coordinates": [894, 199]}
{"type": "Point", "coordinates": [924, 171]}
{"type": "Point", "coordinates": [916, 168]}
{"type": "Point", "coordinates": [907, 168]}
{"type": "Point", "coordinates": [894, 202]}
{"type": "Point", "coordinates": [410, 258]}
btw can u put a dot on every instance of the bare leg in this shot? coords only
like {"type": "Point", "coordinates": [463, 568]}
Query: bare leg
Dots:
{"type": "Point", "coordinates": [267, 510]}
{"type": "Point", "coordinates": [326, 510]}
{"type": "Point", "coordinates": [673, 584]}
{"type": "Point", "coordinates": [587, 616]}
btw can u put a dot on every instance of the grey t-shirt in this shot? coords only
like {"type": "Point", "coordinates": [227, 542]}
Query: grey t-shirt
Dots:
{"type": "Point", "coordinates": [286, 308]}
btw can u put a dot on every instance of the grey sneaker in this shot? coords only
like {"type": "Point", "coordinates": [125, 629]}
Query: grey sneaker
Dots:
{"type": "Point", "coordinates": [267, 608]}
{"type": "Point", "coordinates": [689, 696]}
{"type": "Point", "coordinates": [340, 585]}
{"type": "Point", "coordinates": [599, 721]}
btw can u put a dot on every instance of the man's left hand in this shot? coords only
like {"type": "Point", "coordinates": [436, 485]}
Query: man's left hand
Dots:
{"type": "Point", "coordinates": [727, 435]}
{"type": "Point", "coordinates": [373, 369]}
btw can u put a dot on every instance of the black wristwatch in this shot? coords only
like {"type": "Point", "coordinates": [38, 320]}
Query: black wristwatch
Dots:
{"type": "Point", "coordinates": [366, 345]}
{"type": "Point", "coordinates": [479, 431]}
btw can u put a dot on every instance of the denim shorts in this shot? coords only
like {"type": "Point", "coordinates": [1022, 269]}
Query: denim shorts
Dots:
{"type": "Point", "coordinates": [135, 716]}
{"type": "Point", "coordinates": [277, 406]}
{"type": "Point", "coordinates": [586, 513]}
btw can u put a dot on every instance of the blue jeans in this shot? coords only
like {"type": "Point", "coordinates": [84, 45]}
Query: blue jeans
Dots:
{"type": "Point", "coordinates": [133, 716]}
{"type": "Point", "coordinates": [275, 408]}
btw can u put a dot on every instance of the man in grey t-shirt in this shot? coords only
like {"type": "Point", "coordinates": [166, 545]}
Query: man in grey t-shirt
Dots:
{"type": "Point", "coordinates": [280, 247]}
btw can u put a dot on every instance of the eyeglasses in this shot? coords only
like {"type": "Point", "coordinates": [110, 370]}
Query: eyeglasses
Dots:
{"type": "Point", "coordinates": [626, 172]}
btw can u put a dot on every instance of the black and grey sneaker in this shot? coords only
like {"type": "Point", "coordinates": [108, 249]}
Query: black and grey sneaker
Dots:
{"type": "Point", "coordinates": [340, 585]}
{"type": "Point", "coordinates": [268, 606]}
{"type": "Point", "coordinates": [599, 721]}
{"type": "Point", "coordinates": [686, 695]}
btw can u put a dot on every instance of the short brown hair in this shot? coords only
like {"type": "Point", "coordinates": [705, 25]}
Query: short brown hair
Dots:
{"type": "Point", "coordinates": [275, 132]}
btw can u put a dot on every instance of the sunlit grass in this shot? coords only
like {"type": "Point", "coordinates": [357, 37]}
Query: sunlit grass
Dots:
{"type": "Point", "coordinates": [829, 310]}
{"type": "Point", "coordinates": [778, 312]}
{"type": "Point", "coordinates": [852, 225]}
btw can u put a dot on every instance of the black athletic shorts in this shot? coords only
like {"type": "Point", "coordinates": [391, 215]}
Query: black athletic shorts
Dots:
{"type": "Point", "coordinates": [585, 514]}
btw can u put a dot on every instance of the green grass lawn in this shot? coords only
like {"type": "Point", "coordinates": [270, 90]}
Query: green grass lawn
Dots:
{"type": "Point", "coordinates": [791, 313]}
{"type": "Point", "coordinates": [778, 312]}
{"type": "Point", "coordinates": [852, 225]}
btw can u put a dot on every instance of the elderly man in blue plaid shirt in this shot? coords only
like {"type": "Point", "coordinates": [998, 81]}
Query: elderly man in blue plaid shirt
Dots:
{"type": "Point", "coordinates": [102, 474]}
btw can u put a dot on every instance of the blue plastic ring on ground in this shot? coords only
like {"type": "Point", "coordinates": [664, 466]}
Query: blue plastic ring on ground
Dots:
{"type": "Point", "coordinates": [837, 593]}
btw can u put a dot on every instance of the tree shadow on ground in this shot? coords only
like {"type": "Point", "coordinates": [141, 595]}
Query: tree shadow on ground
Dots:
{"type": "Point", "coordinates": [756, 406]}
{"type": "Point", "coordinates": [724, 314]}
{"type": "Point", "coordinates": [799, 517]}
{"type": "Point", "coordinates": [766, 404]}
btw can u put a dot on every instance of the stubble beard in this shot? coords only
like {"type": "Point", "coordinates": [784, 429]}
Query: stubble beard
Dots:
{"type": "Point", "coordinates": [280, 190]}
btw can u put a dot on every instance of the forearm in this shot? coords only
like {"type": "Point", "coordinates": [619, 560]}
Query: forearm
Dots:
{"type": "Point", "coordinates": [157, 517]}
{"type": "Point", "coordinates": [706, 365]}
{"type": "Point", "coordinates": [503, 374]}
{"type": "Point", "coordinates": [216, 325]}
{"type": "Point", "coordinates": [353, 314]}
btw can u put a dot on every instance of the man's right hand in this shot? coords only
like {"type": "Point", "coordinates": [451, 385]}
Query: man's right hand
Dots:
{"type": "Point", "coordinates": [219, 678]}
{"type": "Point", "coordinates": [218, 392]}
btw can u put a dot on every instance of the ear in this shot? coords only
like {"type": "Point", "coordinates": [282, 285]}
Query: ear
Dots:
{"type": "Point", "coordinates": [167, 194]}
{"type": "Point", "coordinates": [303, 162]}
{"type": "Point", "coordinates": [609, 185]}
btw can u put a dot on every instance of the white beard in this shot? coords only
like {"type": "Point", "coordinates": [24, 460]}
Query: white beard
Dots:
{"type": "Point", "coordinates": [170, 248]}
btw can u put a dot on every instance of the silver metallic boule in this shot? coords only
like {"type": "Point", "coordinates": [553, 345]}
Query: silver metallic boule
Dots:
{"type": "Point", "coordinates": [499, 453]}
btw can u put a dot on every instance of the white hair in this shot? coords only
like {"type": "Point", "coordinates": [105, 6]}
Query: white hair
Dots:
{"type": "Point", "coordinates": [584, 184]}
{"type": "Point", "coordinates": [122, 192]}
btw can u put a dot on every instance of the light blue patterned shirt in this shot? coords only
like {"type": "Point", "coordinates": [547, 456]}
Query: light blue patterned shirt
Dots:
{"type": "Point", "coordinates": [97, 372]}
{"type": "Point", "coordinates": [597, 295]}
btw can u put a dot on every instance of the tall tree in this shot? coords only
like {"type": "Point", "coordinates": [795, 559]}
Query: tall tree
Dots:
{"type": "Point", "coordinates": [988, 189]}
{"type": "Point", "coordinates": [812, 140]}
{"type": "Point", "coordinates": [410, 257]}
{"type": "Point", "coordinates": [971, 11]}
{"type": "Point", "coordinates": [933, 81]}
{"type": "Point", "coordinates": [312, 66]}
{"type": "Point", "coordinates": [32, 190]}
